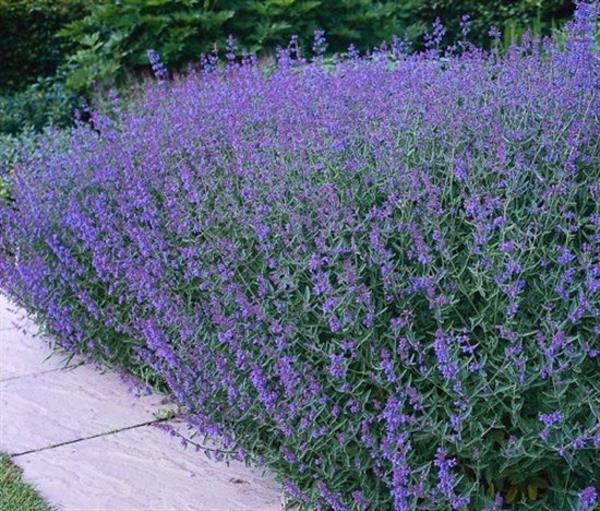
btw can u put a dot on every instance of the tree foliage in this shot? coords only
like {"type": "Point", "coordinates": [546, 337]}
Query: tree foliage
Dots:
{"type": "Point", "coordinates": [27, 43]}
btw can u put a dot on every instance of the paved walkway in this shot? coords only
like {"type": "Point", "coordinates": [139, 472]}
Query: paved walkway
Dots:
{"type": "Point", "coordinates": [87, 444]}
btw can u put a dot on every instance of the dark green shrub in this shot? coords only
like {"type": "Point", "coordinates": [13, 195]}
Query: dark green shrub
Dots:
{"type": "Point", "coordinates": [114, 37]}
{"type": "Point", "coordinates": [44, 102]}
{"type": "Point", "coordinates": [264, 24]}
{"type": "Point", "coordinates": [511, 17]}
{"type": "Point", "coordinates": [27, 43]}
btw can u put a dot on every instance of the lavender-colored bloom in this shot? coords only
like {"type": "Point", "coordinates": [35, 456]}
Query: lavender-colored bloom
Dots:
{"type": "Point", "coordinates": [337, 366]}
{"type": "Point", "coordinates": [494, 33]}
{"type": "Point", "coordinates": [446, 365]}
{"type": "Point", "coordinates": [319, 43]}
{"type": "Point", "coordinates": [231, 48]}
{"type": "Point", "coordinates": [159, 69]}
{"type": "Point", "coordinates": [465, 24]}
{"type": "Point", "coordinates": [588, 498]}
{"type": "Point", "coordinates": [447, 480]}
{"type": "Point", "coordinates": [565, 256]}
{"type": "Point", "coordinates": [549, 420]}
{"type": "Point", "coordinates": [360, 500]}
{"type": "Point", "coordinates": [388, 366]}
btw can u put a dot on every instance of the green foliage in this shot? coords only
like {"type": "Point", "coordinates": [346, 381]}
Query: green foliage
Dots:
{"type": "Point", "coordinates": [10, 154]}
{"type": "Point", "coordinates": [114, 37]}
{"type": "Point", "coordinates": [4, 191]}
{"type": "Point", "coordinates": [44, 102]}
{"type": "Point", "coordinates": [27, 43]}
{"type": "Point", "coordinates": [512, 18]}
{"type": "Point", "coordinates": [263, 24]}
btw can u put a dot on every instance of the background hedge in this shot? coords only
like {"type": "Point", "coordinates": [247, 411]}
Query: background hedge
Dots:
{"type": "Point", "coordinates": [28, 45]}
{"type": "Point", "coordinates": [104, 39]}
{"type": "Point", "coordinates": [57, 52]}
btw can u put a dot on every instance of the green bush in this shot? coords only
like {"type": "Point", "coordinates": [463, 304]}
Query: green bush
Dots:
{"type": "Point", "coordinates": [27, 43]}
{"type": "Point", "coordinates": [104, 39]}
{"type": "Point", "coordinates": [42, 103]}
{"type": "Point", "coordinates": [512, 18]}
{"type": "Point", "coordinates": [113, 38]}
{"type": "Point", "coordinates": [264, 24]}
{"type": "Point", "coordinates": [12, 149]}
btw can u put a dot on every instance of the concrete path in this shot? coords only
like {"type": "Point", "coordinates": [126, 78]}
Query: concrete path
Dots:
{"type": "Point", "coordinates": [87, 444]}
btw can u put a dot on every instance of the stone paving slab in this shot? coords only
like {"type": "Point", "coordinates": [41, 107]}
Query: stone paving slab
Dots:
{"type": "Point", "coordinates": [11, 316]}
{"type": "Point", "coordinates": [63, 406]}
{"type": "Point", "coordinates": [144, 469]}
{"type": "Point", "coordinates": [21, 354]}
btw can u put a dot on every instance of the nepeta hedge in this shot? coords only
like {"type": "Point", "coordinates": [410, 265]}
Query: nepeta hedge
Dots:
{"type": "Point", "coordinates": [379, 278]}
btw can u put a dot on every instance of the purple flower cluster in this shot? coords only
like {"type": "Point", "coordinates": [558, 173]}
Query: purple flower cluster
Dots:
{"type": "Point", "coordinates": [588, 498]}
{"type": "Point", "coordinates": [158, 68]}
{"type": "Point", "coordinates": [378, 277]}
{"type": "Point", "coordinates": [549, 420]}
{"type": "Point", "coordinates": [447, 480]}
